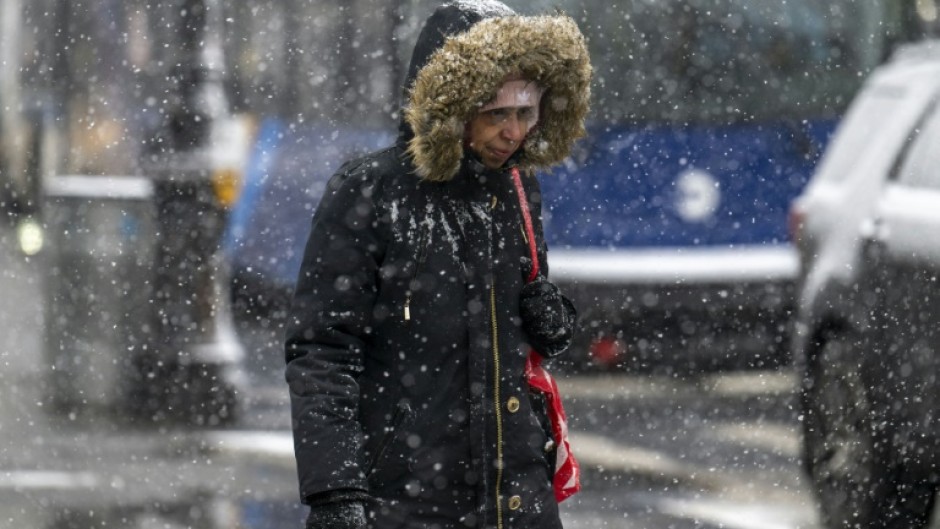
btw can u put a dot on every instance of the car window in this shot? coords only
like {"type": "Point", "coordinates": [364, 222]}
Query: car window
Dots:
{"type": "Point", "coordinates": [921, 167]}
{"type": "Point", "coordinates": [877, 105]}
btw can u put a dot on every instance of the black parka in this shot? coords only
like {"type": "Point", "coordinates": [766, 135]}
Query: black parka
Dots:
{"type": "Point", "coordinates": [404, 349]}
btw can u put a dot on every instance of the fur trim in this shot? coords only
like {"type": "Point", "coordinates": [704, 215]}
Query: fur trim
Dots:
{"type": "Point", "coordinates": [465, 73]}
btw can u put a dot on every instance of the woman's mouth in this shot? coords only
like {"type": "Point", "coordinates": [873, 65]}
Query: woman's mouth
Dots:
{"type": "Point", "coordinates": [500, 153]}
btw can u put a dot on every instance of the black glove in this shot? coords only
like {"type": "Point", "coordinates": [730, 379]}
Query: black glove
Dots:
{"type": "Point", "coordinates": [349, 514]}
{"type": "Point", "coordinates": [548, 317]}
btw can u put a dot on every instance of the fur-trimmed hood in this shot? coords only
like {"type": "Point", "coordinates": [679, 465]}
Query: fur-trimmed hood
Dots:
{"type": "Point", "coordinates": [464, 72]}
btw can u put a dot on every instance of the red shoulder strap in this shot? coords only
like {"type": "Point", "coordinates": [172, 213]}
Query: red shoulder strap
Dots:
{"type": "Point", "coordinates": [527, 222]}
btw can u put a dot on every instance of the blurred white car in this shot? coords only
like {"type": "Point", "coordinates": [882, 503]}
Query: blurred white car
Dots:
{"type": "Point", "coordinates": [867, 330]}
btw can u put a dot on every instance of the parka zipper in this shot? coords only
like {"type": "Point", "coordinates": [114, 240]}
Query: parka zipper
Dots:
{"type": "Point", "coordinates": [496, 376]}
{"type": "Point", "coordinates": [497, 397]}
{"type": "Point", "coordinates": [497, 409]}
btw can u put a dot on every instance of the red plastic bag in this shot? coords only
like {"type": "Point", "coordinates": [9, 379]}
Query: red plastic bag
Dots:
{"type": "Point", "coordinates": [567, 479]}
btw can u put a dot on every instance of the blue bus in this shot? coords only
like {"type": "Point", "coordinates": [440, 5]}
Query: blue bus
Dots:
{"type": "Point", "coordinates": [668, 223]}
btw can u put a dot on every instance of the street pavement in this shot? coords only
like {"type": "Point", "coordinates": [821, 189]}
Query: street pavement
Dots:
{"type": "Point", "coordinates": [81, 470]}
{"type": "Point", "coordinates": [714, 451]}
{"type": "Point", "coordinates": [719, 450]}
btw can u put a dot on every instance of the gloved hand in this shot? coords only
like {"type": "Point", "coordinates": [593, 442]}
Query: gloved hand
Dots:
{"type": "Point", "coordinates": [548, 317]}
{"type": "Point", "coordinates": [348, 514]}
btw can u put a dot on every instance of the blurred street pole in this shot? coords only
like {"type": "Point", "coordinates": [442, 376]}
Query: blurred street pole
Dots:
{"type": "Point", "coordinates": [12, 184]}
{"type": "Point", "coordinates": [199, 74]}
{"type": "Point", "coordinates": [195, 369]}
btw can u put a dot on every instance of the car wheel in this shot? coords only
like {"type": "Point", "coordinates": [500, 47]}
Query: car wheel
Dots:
{"type": "Point", "coordinates": [847, 458]}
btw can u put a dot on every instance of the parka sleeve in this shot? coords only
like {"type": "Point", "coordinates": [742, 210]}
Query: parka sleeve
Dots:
{"type": "Point", "coordinates": [327, 330]}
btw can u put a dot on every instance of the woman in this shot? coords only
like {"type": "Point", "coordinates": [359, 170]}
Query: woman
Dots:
{"type": "Point", "coordinates": [416, 305]}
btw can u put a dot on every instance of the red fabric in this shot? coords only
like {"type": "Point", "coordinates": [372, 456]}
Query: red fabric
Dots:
{"type": "Point", "coordinates": [567, 479]}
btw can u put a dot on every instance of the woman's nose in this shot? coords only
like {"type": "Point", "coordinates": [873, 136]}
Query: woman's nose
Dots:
{"type": "Point", "coordinates": [514, 129]}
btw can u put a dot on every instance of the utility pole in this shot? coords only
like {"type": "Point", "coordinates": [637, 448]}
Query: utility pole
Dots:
{"type": "Point", "coordinates": [13, 186]}
{"type": "Point", "coordinates": [193, 371]}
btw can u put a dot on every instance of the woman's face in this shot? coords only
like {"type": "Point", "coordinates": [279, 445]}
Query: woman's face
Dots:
{"type": "Point", "coordinates": [497, 133]}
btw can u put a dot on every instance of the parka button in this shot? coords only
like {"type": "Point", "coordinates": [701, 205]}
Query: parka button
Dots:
{"type": "Point", "coordinates": [515, 502]}
{"type": "Point", "coordinates": [512, 404]}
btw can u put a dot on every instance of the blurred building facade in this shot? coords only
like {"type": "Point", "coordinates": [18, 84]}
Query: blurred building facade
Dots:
{"type": "Point", "coordinates": [85, 84]}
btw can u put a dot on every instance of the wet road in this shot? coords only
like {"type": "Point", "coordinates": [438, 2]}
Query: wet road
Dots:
{"type": "Point", "coordinates": [717, 451]}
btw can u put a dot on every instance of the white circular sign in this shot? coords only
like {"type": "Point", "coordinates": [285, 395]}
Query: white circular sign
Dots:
{"type": "Point", "coordinates": [697, 196]}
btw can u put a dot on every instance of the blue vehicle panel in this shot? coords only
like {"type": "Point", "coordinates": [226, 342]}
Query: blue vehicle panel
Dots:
{"type": "Point", "coordinates": [669, 187]}
{"type": "Point", "coordinates": [287, 172]}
